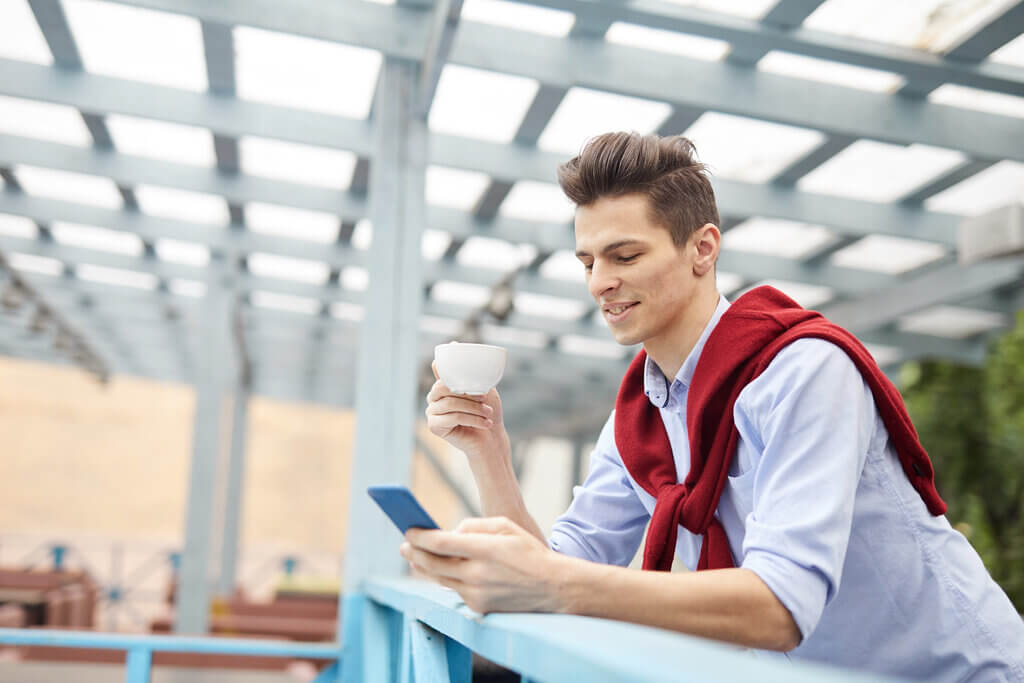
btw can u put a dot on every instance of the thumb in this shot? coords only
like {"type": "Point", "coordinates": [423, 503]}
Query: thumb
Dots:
{"type": "Point", "coordinates": [433, 367]}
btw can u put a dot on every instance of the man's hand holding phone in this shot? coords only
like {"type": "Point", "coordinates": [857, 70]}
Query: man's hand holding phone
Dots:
{"type": "Point", "coordinates": [493, 563]}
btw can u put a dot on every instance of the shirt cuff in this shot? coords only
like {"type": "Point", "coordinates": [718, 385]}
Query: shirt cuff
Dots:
{"type": "Point", "coordinates": [802, 591]}
{"type": "Point", "coordinates": [567, 544]}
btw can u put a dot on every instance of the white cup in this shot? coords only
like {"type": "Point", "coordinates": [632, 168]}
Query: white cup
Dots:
{"type": "Point", "coordinates": [470, 368]}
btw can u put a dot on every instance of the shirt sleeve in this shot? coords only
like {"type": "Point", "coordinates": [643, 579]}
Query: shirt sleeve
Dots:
{"type": "Point", "coordinates": [606, 520]}
{"type": "Point", "coordinates": [811, 415]}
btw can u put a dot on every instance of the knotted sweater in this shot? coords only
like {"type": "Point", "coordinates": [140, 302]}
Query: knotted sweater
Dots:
{"type": "Point", "coordinates": [748, 336]}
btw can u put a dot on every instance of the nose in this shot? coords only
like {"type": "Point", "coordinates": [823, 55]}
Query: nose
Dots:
{"type": "Point", "coordinates": [602, 280]}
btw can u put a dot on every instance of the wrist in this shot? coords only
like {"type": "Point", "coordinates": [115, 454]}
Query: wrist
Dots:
{"type": "Point", "coordinates": [569, 581]}
{"type": "Point", "coordinates": [493, 461]}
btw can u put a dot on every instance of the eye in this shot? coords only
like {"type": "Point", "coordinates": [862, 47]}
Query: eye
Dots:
{"type": "Point", "coordinates": [628, 259]}
{"type": "Point", "coordinates": [588, 267]}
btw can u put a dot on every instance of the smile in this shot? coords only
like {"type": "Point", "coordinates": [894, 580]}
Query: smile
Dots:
{"type": "Point", "coordinates": [618, 312]}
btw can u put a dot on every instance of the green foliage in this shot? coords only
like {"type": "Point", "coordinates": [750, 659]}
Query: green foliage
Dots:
{"type": "Point", "coordinates": [971, 421]}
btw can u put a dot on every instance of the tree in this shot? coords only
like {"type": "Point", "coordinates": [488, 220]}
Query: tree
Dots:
{"type": "Point", "coordinates": [971, 421]}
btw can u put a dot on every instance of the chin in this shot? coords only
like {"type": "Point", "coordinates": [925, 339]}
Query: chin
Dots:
{"type": "Point", "coordinates": [626, 338]}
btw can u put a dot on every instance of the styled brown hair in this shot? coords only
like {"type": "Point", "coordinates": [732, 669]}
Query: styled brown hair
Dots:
{"type": "Point", "coordinates": [664, 169]}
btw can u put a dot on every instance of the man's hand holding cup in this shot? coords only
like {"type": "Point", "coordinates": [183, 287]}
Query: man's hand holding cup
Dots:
{"type": "Point", "coordinates": [463, 407]}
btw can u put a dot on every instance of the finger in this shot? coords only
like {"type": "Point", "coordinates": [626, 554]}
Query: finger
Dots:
{"type": "Point", "coordinates": [439, 392]}
{"type": "Point", "coordinates": [456, 420]}
{"type": "Point", "coordinates": [405, 550]}
{"type": "Point", "coordinates": [454, 584]}
{"type": "Point", "coordinates": [447, 543]}
{"type": "Point", "coordinates": [433, 366]}
{"type": "Point", "coordinates": [455, 404]}
{"type": "Point", "coordinates": [438, 566]}
{"type": "Point", "coordinates": [453, 419]}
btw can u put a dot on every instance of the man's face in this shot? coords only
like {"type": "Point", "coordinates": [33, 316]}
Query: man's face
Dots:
{"type": "Point", "coordinates": [642, 282]}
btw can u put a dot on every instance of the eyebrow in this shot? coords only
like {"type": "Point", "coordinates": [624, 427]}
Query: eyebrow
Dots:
{"type": "Point", "coordinates": [611, 247]}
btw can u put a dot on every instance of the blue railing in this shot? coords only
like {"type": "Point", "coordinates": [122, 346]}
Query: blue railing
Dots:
{"type": "Point", "coordinates": [140, 648]}
{"type": "Point", "coordinates": [409, 625]}
{"type": "Point", "coordinates": [404, 630]}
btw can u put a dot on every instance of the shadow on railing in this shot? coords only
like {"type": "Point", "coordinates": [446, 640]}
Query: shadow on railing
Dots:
{"type": "Point", "coordinates": [404, 630]}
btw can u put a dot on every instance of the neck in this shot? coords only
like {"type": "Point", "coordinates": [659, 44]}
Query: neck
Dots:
{"type": "Point", "coordinates": [671, 349]}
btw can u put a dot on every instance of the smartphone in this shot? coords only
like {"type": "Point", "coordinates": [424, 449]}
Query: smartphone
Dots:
{"type": "Point", "coordinates": [401, 506]}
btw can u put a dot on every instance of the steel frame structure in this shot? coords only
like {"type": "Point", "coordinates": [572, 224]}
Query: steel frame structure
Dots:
{"type": "Point", "coordinates": [153, 334]}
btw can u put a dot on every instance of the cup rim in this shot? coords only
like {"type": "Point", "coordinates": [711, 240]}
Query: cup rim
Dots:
{"type": "Point", "coordinates": [458, 343]}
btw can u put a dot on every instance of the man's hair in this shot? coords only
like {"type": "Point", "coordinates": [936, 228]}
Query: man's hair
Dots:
{"type": "Point", "coordinates": [664, 169]}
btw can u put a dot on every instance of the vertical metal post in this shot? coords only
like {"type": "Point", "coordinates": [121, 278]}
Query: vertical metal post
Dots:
{"type": "Point", "coordinates": [429, 654]}
{"type": "Point", "coordinates": [460, 662]}
{"type": "Point", "coordinates": [216, 364]}
{"type": "Point", "coordinates": [373, 645]}
{"type": "Point", "coordinates": [387, 375]}
{"type": "Point", "coordinates": [58, 551]}
{"type": "Point", "coordinates": [406, 666]}
{"type": "Point", "coordinates": [137, 665]}
{"type": "Point", "coordinates": [234, 494]}
{"type": "Point", "coordinates": [114, 594]}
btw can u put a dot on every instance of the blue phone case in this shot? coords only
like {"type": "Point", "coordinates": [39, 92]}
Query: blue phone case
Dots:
{"type": "Point", "coordinates": [401, 506]}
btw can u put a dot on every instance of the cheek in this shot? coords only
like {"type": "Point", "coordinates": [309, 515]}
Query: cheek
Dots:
{"type": "Point", "coordinates": [669, 281]}
{"type": "Point", "coordinates": [672, 288]}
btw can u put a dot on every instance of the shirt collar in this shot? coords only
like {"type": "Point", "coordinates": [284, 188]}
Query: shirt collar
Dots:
{"type": "Point", "coordinates": [656, 385]}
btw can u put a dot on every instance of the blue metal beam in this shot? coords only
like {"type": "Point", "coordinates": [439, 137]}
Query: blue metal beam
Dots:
{"type": "Point", "coordinates": [945, 285]}
{"type": "Point", "coordinates": [234, 489]}
{"type": "Point", "coordinates": [386, 378]}
{"type": "Point", "coordinates": [216, 367]}
{"type": "Point", "coordinates": [510, 162]}
{"type": "Point", "coordinates": [219, 50]}
{"type": "Point", "coordinates": [997, 32]}
{"type": "Point", "coordinates": [738, 90]}
{"type": "Point", "coordinates": [444, 21]}
{"type": "Point", "coordinates": [157, 643]}
{"type": "Point", "coordinates": [74, 255]}
{"type": "Point", "coordinates": [291, 330]}
{"type": "Point", "coordinates": [134, 170]}
{"type": "Point", "coordinates": [223, 115]}
{"type": "Point", "coordinates": [975, 48]}
{"type": "Point", "coordinates": [752, 266]}
{"type": "Point", "coordinates": [785, 15]}
{"type": "Point", "coordinates": [763, 35]}
{"type": "Point", "coordinates": [53, 23]}
{"type": "Point", "coordinates": [560, 647]}
{"type": "Point", "coordinates": [402, 32]}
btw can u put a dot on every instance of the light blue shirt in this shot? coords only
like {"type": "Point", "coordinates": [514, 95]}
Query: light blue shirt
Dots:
{"type": "Point", "coordinates": [819, 508]}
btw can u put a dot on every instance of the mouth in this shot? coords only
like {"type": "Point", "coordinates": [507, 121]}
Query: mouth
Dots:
{"type": "Point", "coordinates": [615, 313]}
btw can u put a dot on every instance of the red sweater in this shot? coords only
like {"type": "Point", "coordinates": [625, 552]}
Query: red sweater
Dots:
{"type": "Point", "coordinates": [748, 336]}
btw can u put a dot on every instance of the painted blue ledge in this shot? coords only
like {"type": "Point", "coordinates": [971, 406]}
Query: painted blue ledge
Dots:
{"type": "Point", "coordinates": [161, 643]}
{"type": "Point", "coordinates": [435, 632]}
{"type": "Point", "coordinates": [555, 647]}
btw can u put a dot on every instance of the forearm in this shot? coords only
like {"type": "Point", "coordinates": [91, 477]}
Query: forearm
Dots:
{"type": "Point", "coordinates": [474, 425]}
{"type": "Point", "coordinates": [731, 605]}
{"type": "Point", "coordinates": [500, 495]}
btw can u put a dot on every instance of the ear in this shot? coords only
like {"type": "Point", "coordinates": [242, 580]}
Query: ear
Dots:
{"type": "Point", "coordinates": [705, 243]}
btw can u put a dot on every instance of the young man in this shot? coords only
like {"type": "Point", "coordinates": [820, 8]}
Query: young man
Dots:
{"type": "Point", "coordinates": [762, 443]}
